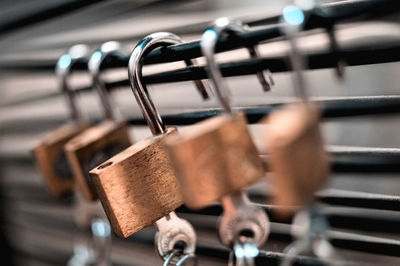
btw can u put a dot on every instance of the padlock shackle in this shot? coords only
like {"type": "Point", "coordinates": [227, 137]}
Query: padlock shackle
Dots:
{"type": "Point", "coordinates": [291, 27]}
{"type": "Point", "coordinates": [63, 69]}
{"type": "Point", "coordinates": [94, 65]}
{"type": "Point", "coordinates": [149, 111]}
{"type": "Point", "coordinates": [208, 44]}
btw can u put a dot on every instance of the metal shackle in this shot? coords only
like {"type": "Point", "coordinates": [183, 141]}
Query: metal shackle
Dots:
{"type": "Point", "coordinates": [208, 44]}
{"type": "Point", "coordinates": [94, 65]}
{"type": "Point", "coordinates": [63, 68]}
{"type": "Point", "coordinates": [149, 111]}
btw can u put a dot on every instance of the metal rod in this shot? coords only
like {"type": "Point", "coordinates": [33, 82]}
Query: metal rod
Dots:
{"type": "Point", "coordinates": [336, 218]}
{"type": "Point", "coordinates": [375, 54]}
{"type": "Point", "coordinates": [37, 16]}
{"type": "Point", "coordinates": [323, 17]}
{"type": "Point", "coordinates": [334, 108]}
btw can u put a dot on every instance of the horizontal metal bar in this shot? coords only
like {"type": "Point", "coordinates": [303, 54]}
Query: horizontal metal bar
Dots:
{"type": "Point", "coordinates": [53, 10]}
{"type": "Point", "coordinates": [326, 59]}
{"type": "Point", "coordinates": [359, 199]}
{"type": "Point", "coordinates": [323, 17]}
{"type": "Point", "coordinates": [345, 198]}
{"type": "Point", "coordinates": [279, 232]}
{"type": "Point", "coordinates": [374, 54]}
{"type": "Point", "coordinates": [360, 160]}
{"type": "Point", "coordinates": [336, 220]}
{"type": "Point", "coordinates": [331, 108]}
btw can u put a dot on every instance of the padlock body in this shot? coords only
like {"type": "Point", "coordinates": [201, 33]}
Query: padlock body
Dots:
{"type": "Point", "coordinates": [52, 161]}
{"type": "Point", "coordinates": [296, 155]}
{"type": "Point", "coordinates": [215, 158]}
{"type": "Point", "coordinates": [137, 187]}
{"type": "Point", "coordinates": [91, 148]}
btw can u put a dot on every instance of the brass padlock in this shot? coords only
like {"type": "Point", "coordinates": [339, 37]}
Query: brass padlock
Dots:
{"type": "Point", "coordinates": [137, 187]}
{"type": "Point", "coordinates": [218, 160]}
{"type": "Point", "coordinates": [217, 157]}
{"type": "Point", "coordinates": [96, 144]}
{"type": "Point", "coordinates": [297, 159]}
{"type": "Point", "coordinates": [49, 153]}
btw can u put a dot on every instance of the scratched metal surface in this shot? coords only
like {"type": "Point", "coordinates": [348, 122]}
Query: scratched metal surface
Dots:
{"type": "Point", "coordinates": [41, 229]}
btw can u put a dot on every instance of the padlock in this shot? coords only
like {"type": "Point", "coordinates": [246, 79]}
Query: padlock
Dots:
{"type": "Point", "coordinates": [137, 187]}
{"type": "Point", "coordinates": [52, 161]}
{"type": "Point", "coordinates": [96, 144]}
{"type": "Point", "coordinates": [294, 143]}
{"type": "Point", "coordinates": [218, 160]}
{"type": "Point", "coordinates": [296, 155]}
{"type": "Point", "coordinates": [49, 154]}
{"type": "Point", "coordinates": [217, 157]}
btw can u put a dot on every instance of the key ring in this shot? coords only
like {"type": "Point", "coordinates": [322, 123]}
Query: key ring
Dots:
{"type": "Point", "coordinates": [243, 253]}
{"type": "Point", "coordinates": [182, 261]}
{"type": "Point", "coordinates": [310, 227]}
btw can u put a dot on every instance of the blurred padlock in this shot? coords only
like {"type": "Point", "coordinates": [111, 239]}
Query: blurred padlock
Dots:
{"type": "Point", "coordinates": [49, 153]}
{"type": "Point", "coordinates": [137, 187]}
{"type": "Point", "coordinates": [297, 159]}
{"type": "Point", "coordinates": [217, 157]}
{"type": "Point", "coordinates": [96, 144]}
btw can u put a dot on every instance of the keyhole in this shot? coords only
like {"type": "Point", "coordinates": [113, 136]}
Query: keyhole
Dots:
{"type": "Point", "coordinates": [248, 233]}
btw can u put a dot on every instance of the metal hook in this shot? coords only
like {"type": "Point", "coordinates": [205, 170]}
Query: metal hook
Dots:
{"type": "Point", "coordinates": [208, 43]}
{"type": "Point", "coordinates": [149, 111]}
{"type": "Point", "coordinates": [63, 68]}
{"type": "Point", "coordinates": [94, 66]}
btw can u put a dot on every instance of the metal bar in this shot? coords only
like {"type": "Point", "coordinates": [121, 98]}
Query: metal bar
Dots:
{"type": "Point", "coordinates": [41, 15]}
{"type": "Point", "coordinates": [322, 17]}
{"type": "Point", "coordinates": [375, 54]}
{"type": "Point", "coordinates": [359, 199]}
{"type": "Point", "coordinates": [363, 160]}
{"type": "Point", "coordinates": [366, 222]}
{"type": "Point", "coordinates": [280, 232]}
{"type": "Point", "coordinates": [345, 198]}
{"type": "Point", "coordinates": [335, 108]}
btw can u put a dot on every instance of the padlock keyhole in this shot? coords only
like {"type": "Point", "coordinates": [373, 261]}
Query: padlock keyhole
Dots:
{"type": "Point", "coordinates": [180, 245]}
{"type": "Point", "coordinates": [248, 233]}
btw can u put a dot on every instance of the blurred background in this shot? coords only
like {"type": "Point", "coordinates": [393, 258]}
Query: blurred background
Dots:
{"type": "Point", "coordinates": [40, 230]}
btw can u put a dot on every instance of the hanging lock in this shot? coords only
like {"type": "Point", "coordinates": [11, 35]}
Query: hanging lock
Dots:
{"type": "Point", "coordinates": [137, 187]}
{"type": "Point", "coordinates": [218, 156]}
{"type": "Point", "coordinates": [297, 159]}
{"type": "Point", "coordinates": [49, 153]}
{"type": "Point", "coordinates": [96, 144]}
{"type": "Point", "coordinates": [219, 159]}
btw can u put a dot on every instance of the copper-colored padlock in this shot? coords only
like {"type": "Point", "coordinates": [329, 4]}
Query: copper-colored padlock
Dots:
{"type": "Point", "coordinates": [137, 187]}
{"type": "Point", "coordinates": [217, 157]}
{"type": "Point", "coordinates": [49, 153]}
{"type": "Point", "coordinates": [297, 159]}
{"type": "Point", "coordinates": [98, 143]}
